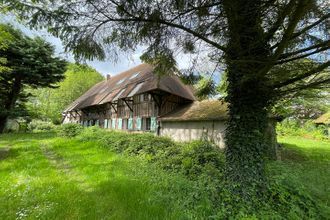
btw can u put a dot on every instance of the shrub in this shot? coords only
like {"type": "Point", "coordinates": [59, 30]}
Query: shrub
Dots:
{"type": "Point", "coordinates": [40, 126]}
{"type": "Point", "coordinates": [203, 163]}
{"type": "Point", "coordinates": [69, 130]}
{"type": "Point", "coordinates": [192, 159]}
{"type": "Point", "coordinates": [306, 129]}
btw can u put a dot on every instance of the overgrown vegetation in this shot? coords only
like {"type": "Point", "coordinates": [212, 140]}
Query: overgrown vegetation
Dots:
{"type": "Point", "coordinates": [203, 163]}
{"type": "Point", "coordinates": [49, 103]}
{"type": "Point", "coordinates": [69, 130]}
{"type": "Point", "coordinates": [300, 128]}
{"type": "Point", "coordinates": [40, 126]}
{"type": "Point", "coordinates": [117, 175]}
{"type": "Point", "coordinates": [260, 43]}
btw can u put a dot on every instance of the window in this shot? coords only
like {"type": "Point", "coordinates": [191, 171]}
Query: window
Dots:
{"type": "Point", "coordinates": [134, 75]}
{"type": "Point", "coordinates": [148, 124]}
{"type": "Point", "coordinates": [119, 94]}
{"type": "Point", "coordinates": [136, 89]}
{"type": "Point", "coordinates": [147, 97]}
{"type": "Point", "coordinates": [121, 81]}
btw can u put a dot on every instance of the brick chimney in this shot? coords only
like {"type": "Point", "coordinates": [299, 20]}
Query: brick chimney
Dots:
{"type": "Point", "coordinates": [108, 76]}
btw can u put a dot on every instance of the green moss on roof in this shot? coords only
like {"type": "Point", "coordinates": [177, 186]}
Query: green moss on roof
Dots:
{"type": "Point", "coordinates": [198, 111]}
{"type": "Point", "coordinates": [323, 119]}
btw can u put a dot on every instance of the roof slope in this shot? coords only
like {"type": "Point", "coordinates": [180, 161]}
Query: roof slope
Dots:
{"type": "Point", "coordinates": [198, 111]}
{"type": "Point", "coordinates": [323, 119]}
{"type": "Point", "coordinates": [136, 80]}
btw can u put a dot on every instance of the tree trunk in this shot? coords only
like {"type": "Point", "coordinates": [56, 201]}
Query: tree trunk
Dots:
{"type": "Point", "coordinates": [271, 138]}
{"type": "Point", "coordinates": [3, 121]}
{"type": "Point", "coordinates": [248, 97]}
{"type": "Point", "coordinates": [245, 138]}
{"type": "Point", "coordinates": [10, 102]}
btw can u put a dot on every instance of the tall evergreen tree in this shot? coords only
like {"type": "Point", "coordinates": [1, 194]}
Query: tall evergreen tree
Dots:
{"type": "Point", "coordinates": [251, 37]}
{"type": "Point", "coordinates": [31, 62]}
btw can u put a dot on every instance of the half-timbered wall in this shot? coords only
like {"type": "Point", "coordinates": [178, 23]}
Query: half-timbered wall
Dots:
{"type": "Point", "coordinates": [134, 113]}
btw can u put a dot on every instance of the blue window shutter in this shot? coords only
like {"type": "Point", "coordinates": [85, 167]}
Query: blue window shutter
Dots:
{"type": "Point", "coordinates": [153, 123]}
{"type": "Point", "coordinates": [113, 123]}
{"type": "Point", "coordinates": [130, 123]}
{"type": "Point", "coordinates": [120, 123]}
{"type": "Point", "coordinates": [138, 123]}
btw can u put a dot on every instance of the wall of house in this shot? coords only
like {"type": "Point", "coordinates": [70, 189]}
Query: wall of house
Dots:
{"type": "Point", "coordinates": [194, 130]}
{"type": "Point", "coordinates": [139, 115]}
{"type": "Point", "coordinates": [71, 117]}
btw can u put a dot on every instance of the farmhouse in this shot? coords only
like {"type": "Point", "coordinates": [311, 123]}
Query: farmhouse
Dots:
{"type": "Point", "coordinates": [325, 121]}
{"type": "Point", "coordinates": [139, 100]}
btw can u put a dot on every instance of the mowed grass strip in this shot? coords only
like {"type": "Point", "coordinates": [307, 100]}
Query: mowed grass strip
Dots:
{"type": "Point", "coordinates": [53, 178]}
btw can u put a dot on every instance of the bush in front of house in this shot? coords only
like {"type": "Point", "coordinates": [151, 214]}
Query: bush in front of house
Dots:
{"type": "Point", "coordinates": [40, 126]}
{"type": "Point", "coordinates": [69, 130]}
{"type": "Point", "coordinates": [192, 158]}
{"type": "Point", "coordinates": [203, 164]}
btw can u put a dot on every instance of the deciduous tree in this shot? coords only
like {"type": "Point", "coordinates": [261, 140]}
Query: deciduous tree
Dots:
{"type": "Point", "coordinates": [49, 103]}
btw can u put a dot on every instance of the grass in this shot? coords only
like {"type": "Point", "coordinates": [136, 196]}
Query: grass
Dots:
{"type": "Point", "coordinates": [305, 163]}
{"type": "Point", "coordinates": [46, 177]}
{"type": "Point", "coordinates": [51, 178]}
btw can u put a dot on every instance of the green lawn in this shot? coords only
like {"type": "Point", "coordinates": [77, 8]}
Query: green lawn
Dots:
{"type": "Point", "coordinates": [306, 163]}
{"type": "Point", "coordinates": [45, 177]}
{"type": "Point", "coordinates": [50, 178]}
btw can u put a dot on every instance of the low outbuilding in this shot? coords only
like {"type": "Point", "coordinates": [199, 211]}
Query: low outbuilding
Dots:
{"type": "Point", "coordinates": [198, 120]}
{"type": "Point", "coordinates": [325, 121]}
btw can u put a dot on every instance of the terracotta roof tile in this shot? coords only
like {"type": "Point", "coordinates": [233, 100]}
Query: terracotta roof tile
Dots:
{"type": "Point", "coordinates": [107, 90]}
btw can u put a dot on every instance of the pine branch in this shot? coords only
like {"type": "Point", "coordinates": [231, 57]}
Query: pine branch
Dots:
{"type": "Point", "coordinates": [302, 76]}
{"type": "Point", "coordinates": [302, 56]}
{"type": "Point", "coordinates": [325, 43]}
{"type": "Point", "coordinates": [323, 18]}
{"type": "Point", "coordinates": [278, 23]}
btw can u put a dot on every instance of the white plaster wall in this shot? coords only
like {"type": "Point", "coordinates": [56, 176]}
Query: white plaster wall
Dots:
{"type": "Point", "coordinates": [67, 120]}
{"type": "Point", "coordinates": [195, 130]}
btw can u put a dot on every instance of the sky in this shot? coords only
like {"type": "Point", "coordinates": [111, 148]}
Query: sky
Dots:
{"type": "Point", "coordinates": [104, 67]}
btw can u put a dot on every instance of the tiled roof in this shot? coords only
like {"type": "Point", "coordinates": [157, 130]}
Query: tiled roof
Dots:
{"type": "Point", "coordinates": [136, 80]}
{"type": "Point", "coordinates": [323, 119]}
{"type": "Point", "coordinates": [199, 111]}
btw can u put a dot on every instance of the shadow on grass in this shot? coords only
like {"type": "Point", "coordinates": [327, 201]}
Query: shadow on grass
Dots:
{"type": "Point", "coordinates": [289, 152]}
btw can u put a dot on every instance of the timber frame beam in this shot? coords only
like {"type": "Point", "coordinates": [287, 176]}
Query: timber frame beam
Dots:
{"type": "Point", "coordinates": [126, 102]}
{"type": "Point", "coordinates": [113, 106]}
